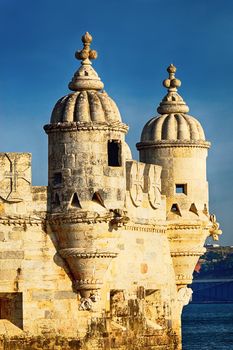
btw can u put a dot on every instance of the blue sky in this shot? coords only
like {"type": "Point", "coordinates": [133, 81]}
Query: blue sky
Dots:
{"type": "Point", "coordinates": [136, 41]}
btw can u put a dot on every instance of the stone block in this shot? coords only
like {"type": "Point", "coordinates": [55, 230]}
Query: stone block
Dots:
{"type": "Point", "coordinates": [64, 294]}
{"type": "Point", "coordinates": [15, 235]}
{"type": "Point", "coordinates": [139, 240]}
{"type": "Point", "coordinates": [42, 295]}
{"type": "Point", "coordinates": [2, 236]}
{"type": "Point", "coordinates": [12, 254]}
{"type": "Point", "coordinates": [8, 274]}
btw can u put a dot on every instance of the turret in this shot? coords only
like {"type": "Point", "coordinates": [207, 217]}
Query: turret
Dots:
{"type": "Point", "coordinates": [176, 141]}
{"type": "Point", "coordinates": [87, 153]}
{"type": "Point", "coordinates": [87, 148]}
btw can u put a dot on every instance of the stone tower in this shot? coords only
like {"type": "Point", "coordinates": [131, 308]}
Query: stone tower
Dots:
{"type": "Point", "coordinates": [101, 258]}
{"type": "Point", "coordinates": [87, 151]}
{"type": "Point", "coordinates": [86, 138]}
{"type": "Point", "coordinates": [176, 141]}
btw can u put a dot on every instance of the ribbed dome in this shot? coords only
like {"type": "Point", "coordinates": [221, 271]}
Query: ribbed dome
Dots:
{"type": "Point", "coordinates": [173, 127]}
{"type": "Point", "coordinates": [85, 106]}
{"type": "Point", "coordinates": [173, 124]}
{"type": "Point", "coordinates": [88, 103]}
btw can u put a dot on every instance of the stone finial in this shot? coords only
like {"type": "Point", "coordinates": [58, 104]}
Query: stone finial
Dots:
{"type": "Point", "coordinates": [215, 232]}
{"type": "Point", "coordinates": [172, 102]}
{"type": "Point", "coordinates": [86, 53]}
{"type": "Point", "coordinates": [171, 83]}
{"type": "Point", "coordinates": [86, 77]}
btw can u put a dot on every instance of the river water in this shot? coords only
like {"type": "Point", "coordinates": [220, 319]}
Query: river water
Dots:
{"type": "Point", "coordinates": [207, 327]}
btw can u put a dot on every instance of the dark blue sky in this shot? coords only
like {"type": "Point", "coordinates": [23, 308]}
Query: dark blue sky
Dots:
{"type": "Point", "coordinates": [136, 41]}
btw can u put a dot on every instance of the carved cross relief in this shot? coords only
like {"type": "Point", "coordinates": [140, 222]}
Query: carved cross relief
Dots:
{"type": "Point", "coordinates": [136, 182]}
{"type": "Point", "coordinates": [153, 185]}
{"type": "Point", "coordinates": [144, 178]}
{"type": "Point", "coordinates": [15, 176]}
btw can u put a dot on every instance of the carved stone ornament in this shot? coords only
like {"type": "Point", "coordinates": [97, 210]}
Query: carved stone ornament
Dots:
{"type": "Point", "coordinates": [15, 176]}
{"type": "Point", "coordinates": [184, 295]}
{"type": "Point", "coordinates": [172, 102]}
{"type": "Point", "coordinates": [88, 269]}
{"type": "Point", "coordinates": [135, 181]}
{"type": "Point", "coordinates": [153, 185]}
{"type": "Point", "coordinates": [214, 230]}
{"type": "Point", "coordinates": [87, 303]}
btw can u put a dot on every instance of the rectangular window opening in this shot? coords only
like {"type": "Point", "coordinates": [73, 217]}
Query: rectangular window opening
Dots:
{"type": "Point", "coordinates": [57, 179]}
{"type": "Point", "coordinates": [181, 188]}
{"type": "Point", "coordinates": [114, 153]}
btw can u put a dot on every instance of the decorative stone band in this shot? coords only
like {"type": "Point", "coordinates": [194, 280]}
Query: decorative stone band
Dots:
{"type": "Point", "coordinates": [93, 217]}
{"type": "Point", "coordinates": [75, 252]}
{"type": "Point", "coordinates": [173, 227]}
{"type": "Point", "coordinates": [146, 228]}
{"type": "Point", "coordinates": [85, 126]}
{"type": "Point", "coordinates": [188, 253]}
{"type": "Point", "coordinates": [184, 278]}
{"type": "Point", "coordinates": [176, 143]}
{"type": "Point", "coordinates": [88, 284]}
{"type": "Point", "coordinates": [14, 220]}
{"type": "Point", "coordinates": [80, 217]}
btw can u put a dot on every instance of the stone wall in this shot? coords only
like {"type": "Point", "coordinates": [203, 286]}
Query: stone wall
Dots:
{"type": "Point", "coordinates": [44, 256]}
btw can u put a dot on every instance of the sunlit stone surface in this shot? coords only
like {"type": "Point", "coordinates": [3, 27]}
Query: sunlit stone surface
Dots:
{"type": "Point", "coordinates": [101, 258]}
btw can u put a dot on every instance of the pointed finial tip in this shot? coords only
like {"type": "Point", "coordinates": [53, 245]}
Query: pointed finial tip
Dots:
{"type": "Point", "coordinates": [87, 38]}
{"type": "Point", "coordinates": [171, 68]}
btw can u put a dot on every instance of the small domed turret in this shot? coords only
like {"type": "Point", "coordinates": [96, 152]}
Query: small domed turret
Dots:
{"type": "Point", "coordinates": [174, 124]}
{"type": "Point", "coordinates": [87, 148]}
{"type": "Point", "coordinates": [176, 141]}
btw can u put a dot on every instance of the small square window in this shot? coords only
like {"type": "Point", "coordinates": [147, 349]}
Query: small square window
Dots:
{"type": "Point", "coordinates": [181, 188]}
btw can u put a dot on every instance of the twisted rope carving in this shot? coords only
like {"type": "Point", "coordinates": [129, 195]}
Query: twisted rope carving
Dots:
{"type": "Point", "coordinates": [75, 252]}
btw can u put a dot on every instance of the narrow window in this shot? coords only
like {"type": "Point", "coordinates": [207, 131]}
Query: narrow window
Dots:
{"type": "Point", "coordinates": [181, 188]}
{"type": "Point", "coordinates": [114, 153]}
{"type": "Point", "coordinates": [57, 179]}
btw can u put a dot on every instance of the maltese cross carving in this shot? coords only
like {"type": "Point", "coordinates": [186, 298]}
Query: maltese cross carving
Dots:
{"type": "Point", "coordinates": [15, 176]}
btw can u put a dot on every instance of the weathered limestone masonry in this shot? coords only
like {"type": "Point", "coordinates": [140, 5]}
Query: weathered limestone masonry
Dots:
{"type": "Point", "coordinates": [101, 258]}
